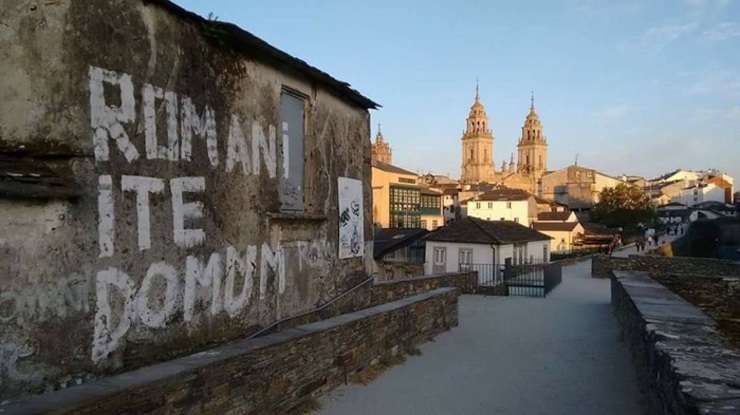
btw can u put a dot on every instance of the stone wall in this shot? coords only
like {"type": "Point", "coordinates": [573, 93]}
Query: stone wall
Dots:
{"type": "Point", "coordinates": [681, 359]}
{"type": "Point", "coordinates": [171, 127]}
{"type": "Point", "coordinates": [392, 270]}
{"type": "Point", "coordinates": [271, 374]}
{"type": "Point", "coordinates": [602, 265]}
{"type": "Point", "coordinates": [386, 291]}
{"type": "Point", "coordinates": [719, 297]}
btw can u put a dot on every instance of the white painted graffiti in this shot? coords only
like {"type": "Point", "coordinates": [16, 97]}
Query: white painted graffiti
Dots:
{"type": "Point", "coordinates": [43, 302]}
{"type": "Point", "coordinates": [108, 122]}
{"type": "Point", "coordinates": [10, 354]}
{"type": "Point", "coordinates": [114, 286]}
{"type": "Point", "coordinates": [143, 187]}
{"type": "Point", "coordinates": [226, 282]}
{"type": "Point", "coordinates": [309, 254]}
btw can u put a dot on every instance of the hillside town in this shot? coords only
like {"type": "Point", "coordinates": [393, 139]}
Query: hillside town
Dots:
{"type": "Point", "coordinates": [555, 202]}
{"type": "Point", "coordinates": [196, 221]}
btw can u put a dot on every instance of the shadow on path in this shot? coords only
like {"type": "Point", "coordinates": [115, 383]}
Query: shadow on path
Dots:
{"type": "Point", "coordinates": [512, 355]}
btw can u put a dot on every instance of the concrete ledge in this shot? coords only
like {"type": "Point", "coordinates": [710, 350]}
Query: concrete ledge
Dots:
{"type": "Point", "coordinates": [385, 291]}
{"type": "Point", "coordinates": [603, 265]}
{"type": "Point", "coordinates": [680, 356]}
{"type": "Point", "coordinates": [269, 374]}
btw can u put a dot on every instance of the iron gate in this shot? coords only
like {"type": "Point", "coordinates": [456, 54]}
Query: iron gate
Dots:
{"type": "Point", "coordinates": [526, 280]}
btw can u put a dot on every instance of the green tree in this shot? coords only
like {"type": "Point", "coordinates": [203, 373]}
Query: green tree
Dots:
{"type": "Point", "coordinates": [623, 206]}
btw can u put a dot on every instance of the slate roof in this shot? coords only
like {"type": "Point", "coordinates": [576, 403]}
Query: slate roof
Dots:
{"type": "Point", "coordinates": [28, 178]}
{"type": "Point", "coordinates": [555, 226]}
{"type": "Point", "coordinates": [474, 230]}
{"type": "Point", "coordinates": [388, 240]}
{"type": "Point", "coordinates": [562, 216]}
{"type": "Point", "coordinates": [391, 168]}
{"type": "Point", "coordinates": [247, 44]}
{"type": "Point", "coordinates": [543, 201]}
{"type": "Point", "coordinates": [666, 176]}
{"type": "Point", "coordinates": [672, 204]}
{"type": "Point", "coordinates": [504, 195]}
{"type": "Point", "coordinates": [428, 191]}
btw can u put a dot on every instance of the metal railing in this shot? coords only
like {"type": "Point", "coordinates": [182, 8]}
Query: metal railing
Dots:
{"type": "Point", "coordinates": [529, 280]}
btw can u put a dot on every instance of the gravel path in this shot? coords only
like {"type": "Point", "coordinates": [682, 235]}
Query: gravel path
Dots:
{"type": "Point", "coordinates": [512, 355]}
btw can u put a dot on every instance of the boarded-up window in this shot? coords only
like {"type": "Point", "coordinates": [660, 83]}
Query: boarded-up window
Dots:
{"type": "Point", "coordinates": [293, 125]}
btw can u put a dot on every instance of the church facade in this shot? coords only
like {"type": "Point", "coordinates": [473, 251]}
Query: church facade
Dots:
{"type": "Point", "coordinates": [478, 152]}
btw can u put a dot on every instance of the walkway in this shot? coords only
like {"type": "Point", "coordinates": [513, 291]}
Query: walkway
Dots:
{"type": "Point", "coordinates": [512, 355]}
{"type": "Point", "coordinates": [632, 249]}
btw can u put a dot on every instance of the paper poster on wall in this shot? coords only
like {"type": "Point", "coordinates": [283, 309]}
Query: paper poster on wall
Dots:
{"type": "Point", "coordinates": [351, 223]}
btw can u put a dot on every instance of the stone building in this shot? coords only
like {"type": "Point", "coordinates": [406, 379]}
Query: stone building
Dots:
{"type": "Point", "coordinates": [477, 146]}
{"type": "Point", "coordinates": [169, 183]}
{"type": "Point", "coordinates": [381, 150]}
{"type": "Point", "coordinates": [577, 187]}
{"type": "Point", "coordinates": [478, 152]}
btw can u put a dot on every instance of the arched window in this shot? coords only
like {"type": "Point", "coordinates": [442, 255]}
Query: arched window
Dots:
{"type": "Point", "coordinates": [471, 153]}
{"type": "Point", "coordinates": [527, 160]}
{"type": "Point", "coordinates": [485, 155]}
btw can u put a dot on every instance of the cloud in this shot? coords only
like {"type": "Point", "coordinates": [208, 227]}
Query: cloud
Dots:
{"type": "Point", "coordinates": [657, 38]}
{"type": "Point", "coordinates": [723, 82]}
{"type": "Point", "coordinates": [722, 31]}
{"type": "Point", "coordinates": [614, 113]}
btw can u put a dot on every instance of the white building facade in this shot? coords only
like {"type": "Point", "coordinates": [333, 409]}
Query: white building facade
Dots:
{"type": "Point", "coordinates": [691, 196]}
{"type": "Point", "coordinates": [504, 205]}
{"type": "Point", "coordinates": [474, 241]}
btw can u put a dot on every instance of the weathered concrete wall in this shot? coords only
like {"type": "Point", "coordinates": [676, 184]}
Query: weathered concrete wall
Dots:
{"type": "Point", "coordinates": [681, 360]}
{"type": "Point", "coordinates": [284, 369]}
{"type": "Point", "coordinates": [387, 291]}
{"type": "Point", "coordinates": [175, 140]}
{"type": "Point", "coordinates": [603, 265]}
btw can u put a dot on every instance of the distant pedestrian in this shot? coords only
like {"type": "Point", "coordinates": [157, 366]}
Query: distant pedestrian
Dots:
{"type": "Point", "coordinates": [650, 240]}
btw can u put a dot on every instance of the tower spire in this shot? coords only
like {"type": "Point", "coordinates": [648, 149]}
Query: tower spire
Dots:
{"type": "Point", "coordinates": [476, 89]}
{"type": "Point", "coordinates": [379, 133]}
{"type": "Point", "coordinates": [531, 106]}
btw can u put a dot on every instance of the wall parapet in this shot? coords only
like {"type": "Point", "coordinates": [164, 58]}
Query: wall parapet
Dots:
{"type": "Point", "coordinates": [270, 374]}
{"type": "Point", "coordinates": [603, 265]}
{"type": "Point", "coordinates": [679, 354]}
{"type": "Point", "coordinates": [386, 291]}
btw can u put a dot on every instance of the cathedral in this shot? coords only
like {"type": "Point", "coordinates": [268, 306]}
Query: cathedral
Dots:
{"type": "Point", "coordinates": [478, 152]}
{"type": "Point", "coordinates": [381, 151]}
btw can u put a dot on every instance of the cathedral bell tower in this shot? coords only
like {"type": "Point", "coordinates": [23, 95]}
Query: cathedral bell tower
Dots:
{"type": "Point", "coordinates": [380, 149]}
{"type": "Point", "coordinates": [532, 146]}
{"type": "Point", "coordinates": [477, 146]}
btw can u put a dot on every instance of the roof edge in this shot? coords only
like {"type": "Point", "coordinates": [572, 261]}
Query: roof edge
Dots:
{"type": "Point", "coordinates": [245, 43]}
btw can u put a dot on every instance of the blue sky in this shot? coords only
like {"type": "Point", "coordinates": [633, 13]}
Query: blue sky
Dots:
{"type": "Point", "coordinates": [635, 87]}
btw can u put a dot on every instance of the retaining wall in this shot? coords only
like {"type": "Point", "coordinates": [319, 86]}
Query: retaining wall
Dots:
{"type": "Point", "coordinates": [681, 358]}
{"type": "Point", "coordinates": [603, 265]}
{"type": "Point", "coordinates": [271, 374]}
{"type": "Point", "coordinates": [385, 291]}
